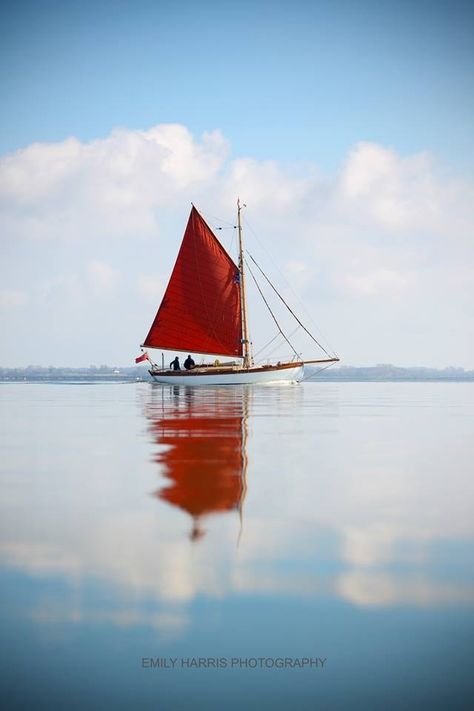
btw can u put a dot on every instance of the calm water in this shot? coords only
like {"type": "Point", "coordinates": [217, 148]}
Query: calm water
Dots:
{"type": "Point", "coordinates": [325, 521]}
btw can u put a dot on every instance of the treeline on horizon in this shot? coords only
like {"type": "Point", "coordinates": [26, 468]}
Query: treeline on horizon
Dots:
{"type": "Point", "coordinates": [132, 373]}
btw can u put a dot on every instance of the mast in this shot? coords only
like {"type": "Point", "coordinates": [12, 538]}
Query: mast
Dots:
{"type": "Point", "coordinates": [243, 301]}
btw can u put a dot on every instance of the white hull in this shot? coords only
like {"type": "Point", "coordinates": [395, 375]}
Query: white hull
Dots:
{"type": "Point", "coordinates": [239, 377]}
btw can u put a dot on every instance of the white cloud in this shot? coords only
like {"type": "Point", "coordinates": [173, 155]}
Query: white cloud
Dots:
{"type": "Point", "coordinates": [386, 234]}
{"type": "Point", "coordinates": [382, 589]}
{"type": "Point", "coordinates": [102, 278]}
{"type": "Point", "coordinates": [372, 283]}
{"type": "Point", "coordinates": [397, 193]}
{"type": "Point", "coordinates": [298, 273]}
{"type": "Point", "coordinates": [108, 187]}
{"type": "Point", "coordinates": [115, 185]}
{"type": "Point", "coordinates": [91, 282]}
{"type": "Point", "coordinates": [365, 517]}
{"type": "Point", "coordinates": [65, 288]}
{"type": "Point", "coordinates": [39, 172]}
{"type": "Point", "coordinates": [267, 184]}
{"type": "Point", "coordinates": [151, 288]}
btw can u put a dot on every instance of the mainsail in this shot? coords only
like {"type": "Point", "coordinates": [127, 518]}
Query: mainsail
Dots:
{"type": "Point", "coordinates": [201, 309]}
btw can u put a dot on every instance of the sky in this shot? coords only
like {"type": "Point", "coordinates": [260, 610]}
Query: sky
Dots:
{"type": "Point", "coordinates": [346, 127]}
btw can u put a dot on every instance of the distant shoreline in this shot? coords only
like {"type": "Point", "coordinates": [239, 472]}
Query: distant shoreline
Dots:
{"type": "Point", "coordinates": [106, 374]}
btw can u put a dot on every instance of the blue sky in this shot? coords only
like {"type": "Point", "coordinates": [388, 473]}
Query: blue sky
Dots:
{"type": "Point", "coordinates": [283, 80]}
{"type": "Point", "coordinates": [346, 127]}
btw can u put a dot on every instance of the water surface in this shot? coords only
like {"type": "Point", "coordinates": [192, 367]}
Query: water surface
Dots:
{"type": "Point", "coordinates": [325, 521]}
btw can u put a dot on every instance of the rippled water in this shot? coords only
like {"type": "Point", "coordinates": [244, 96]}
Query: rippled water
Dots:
{"type": "Point", "coordinates": [249, 528]}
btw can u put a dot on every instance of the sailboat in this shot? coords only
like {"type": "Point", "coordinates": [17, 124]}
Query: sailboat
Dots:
{"type": "Point", "coordinates": [204, 311]}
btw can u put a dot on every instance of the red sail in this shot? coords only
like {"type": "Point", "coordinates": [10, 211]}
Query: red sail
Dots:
{"type": "Point", "coordinates": [200, 311]}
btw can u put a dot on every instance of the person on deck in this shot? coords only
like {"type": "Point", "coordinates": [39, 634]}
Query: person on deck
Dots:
{"type": "Point", "coordinates": [189, 363]}
{"type": "Point", "coordinates": [175, 364]}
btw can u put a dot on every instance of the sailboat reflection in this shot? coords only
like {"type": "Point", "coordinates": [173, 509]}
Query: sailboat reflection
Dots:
{"type": "Point", "coordinates": [205, 460]}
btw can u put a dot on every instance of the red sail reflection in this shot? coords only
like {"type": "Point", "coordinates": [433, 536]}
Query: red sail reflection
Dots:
{"type": "Point", "coordinates": [205, 460]}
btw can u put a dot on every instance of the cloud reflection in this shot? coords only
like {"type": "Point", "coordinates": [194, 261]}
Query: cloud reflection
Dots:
{"type": "Point", "coordinates": [321, 520]}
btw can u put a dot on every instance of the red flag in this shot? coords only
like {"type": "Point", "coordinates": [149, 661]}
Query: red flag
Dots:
{"type": "Point", "coordinates": [141, 358]}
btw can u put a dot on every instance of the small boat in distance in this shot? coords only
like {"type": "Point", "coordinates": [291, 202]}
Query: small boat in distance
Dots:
{"type": "Point", "coordinates": [204, 311]}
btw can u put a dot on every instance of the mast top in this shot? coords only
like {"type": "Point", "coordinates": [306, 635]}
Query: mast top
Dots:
{"type": "Point", "coordinates": [245, 334]}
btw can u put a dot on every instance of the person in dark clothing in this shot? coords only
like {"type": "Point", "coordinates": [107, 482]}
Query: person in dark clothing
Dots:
{"type": "Point", "coordinates": [189, 363]}
{"type": "Point", "coordinates": [175, 364]}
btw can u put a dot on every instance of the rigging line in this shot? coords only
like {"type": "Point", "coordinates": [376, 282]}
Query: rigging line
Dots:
{"type": "Point", "coordinates": [278, 344]}
{"type": "Point", "coordinates": [295, 355]}
{"type": "Point", "coordinates": [266, 345]}
{"type": "Point", "coordinates": [218, 220]}
{"type": "Point", "coordinates": [291, 312]}
{"type": "Point", "coordinates": [276, 347]}
{"type": "Point", "coordinates": [268, 307]}
{"type": "Point", "coordinates": [320, 370]}
{"type": "Point", "coordinates": [298, 355]}
{"type": "Point", "coordinates": [218, 224]}
{"type": "Point", "coordinates": [307, 312]}
{"type": "Point", "coordinates": [271, 312]}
